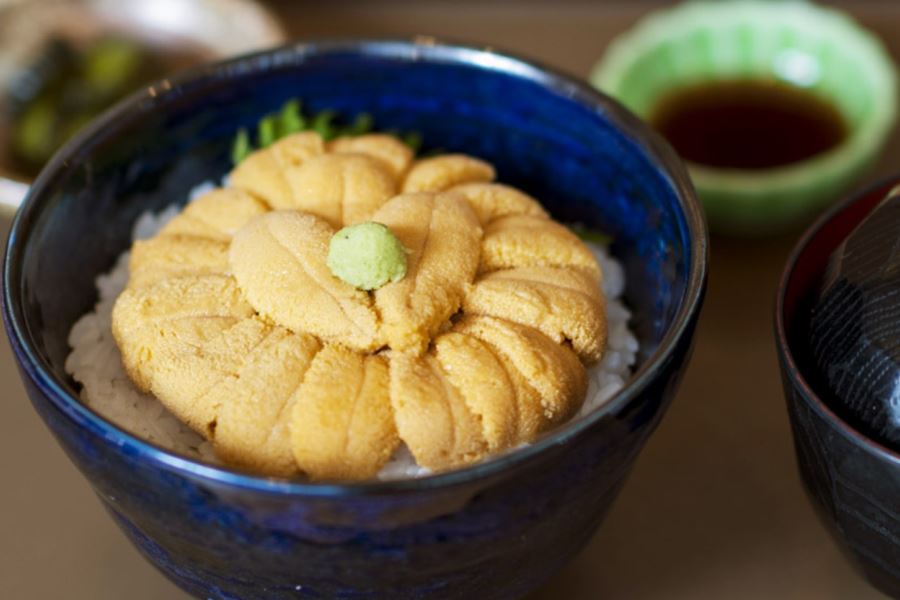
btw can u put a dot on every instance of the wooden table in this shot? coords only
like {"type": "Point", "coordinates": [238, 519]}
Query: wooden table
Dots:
{"type": "Point", "coordinates": [714, 507]}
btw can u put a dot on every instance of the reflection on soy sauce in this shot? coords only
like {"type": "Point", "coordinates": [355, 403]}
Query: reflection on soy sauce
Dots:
{"type": "Point", "coordinates": [69, 83]}
{"type": "Point", "coordinates": [748, 124]}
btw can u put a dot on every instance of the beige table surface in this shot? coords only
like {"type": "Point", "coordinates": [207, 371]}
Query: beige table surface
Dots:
{"type": "Point", "coordinates": [713, 508]}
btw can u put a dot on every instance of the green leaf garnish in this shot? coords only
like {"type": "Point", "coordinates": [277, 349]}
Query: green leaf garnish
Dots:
{"type": "Point", "coordinates": [290, 119]}
{"type": "Point", "coordinates": [361, 124]}
{"type": "Point", "coordinates": [241, 147]}
{"type": "Point", "coordinates": [322, 124]}
{"type": "Point", "coordinates": [591, 235]}
{"type": "Point", "coordinates": [266, 132]}
{"type": "Point", "coordinates": [413, 139]}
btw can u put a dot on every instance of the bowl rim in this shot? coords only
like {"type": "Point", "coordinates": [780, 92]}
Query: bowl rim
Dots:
{"type": "Point", "coordinates": [789, 366]}
{"type": "Point", "coordinates": [417, 48]}
{"type": "Point", "coordinates": [748, 185]}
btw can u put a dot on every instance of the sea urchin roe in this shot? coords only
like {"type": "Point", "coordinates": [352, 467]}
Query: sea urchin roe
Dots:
{"type": "Point", "coordinates": [457, 320]}
{"type": "Point", "coordinates": [279, 262]}
{"type": "Point", "coordinates": [444, 241]}
{"type": "Point", "coordinates": [342, 421]}
{"type": "Point", "coordinates": [560, 303]}
{"type": "Point", "coordinates": [366, 255]}
{"type": "Point", "coordinates": [440, 173]}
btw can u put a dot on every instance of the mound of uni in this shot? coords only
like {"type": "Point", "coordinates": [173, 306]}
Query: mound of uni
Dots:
{"type": "Point", "coordinates": [232, 319]}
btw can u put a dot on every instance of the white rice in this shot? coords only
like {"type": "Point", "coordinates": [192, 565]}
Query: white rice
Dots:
{"type": "Point", "coordinates": [96, 364]}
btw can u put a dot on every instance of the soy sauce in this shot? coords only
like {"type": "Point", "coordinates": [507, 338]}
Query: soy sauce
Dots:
{"type": "Point", "coordinates": [748, 124]}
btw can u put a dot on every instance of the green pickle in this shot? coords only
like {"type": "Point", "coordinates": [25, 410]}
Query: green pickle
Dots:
{"type": "Point", "coordinates": [68, 85]}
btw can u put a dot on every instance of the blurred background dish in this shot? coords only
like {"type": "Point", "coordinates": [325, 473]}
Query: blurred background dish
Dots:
{"type": "Point", "coordinates": [62, 62]}
{"type": "Point", "coordinates": [776, 106]}
{"type": "Point", "coordinates": [845, 443]}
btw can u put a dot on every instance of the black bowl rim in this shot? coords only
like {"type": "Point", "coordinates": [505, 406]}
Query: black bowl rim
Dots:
{"type": "Point", "coordinates": [789, 365]}
{"type": "Point", "coordinates": [417, 48]}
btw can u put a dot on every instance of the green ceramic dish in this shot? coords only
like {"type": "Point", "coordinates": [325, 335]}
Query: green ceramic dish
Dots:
{"type": "Point", "coordinates": [796, 42]}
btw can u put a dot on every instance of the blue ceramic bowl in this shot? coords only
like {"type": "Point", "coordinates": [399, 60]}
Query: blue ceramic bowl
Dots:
{"type": "Point", "coordinates": [495, 530]}
{"type": "Point", "coordinates": [853, 481]}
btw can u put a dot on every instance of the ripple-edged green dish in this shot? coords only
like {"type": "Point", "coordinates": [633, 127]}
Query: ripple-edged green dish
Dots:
{"type": "Point", "coordinates": [795, 42]}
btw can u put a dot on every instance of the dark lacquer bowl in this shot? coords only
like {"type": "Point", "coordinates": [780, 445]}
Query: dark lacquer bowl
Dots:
{"type": "Point", "coordinates": [854, 481]}
{"type": "Point", "coordinates": [495, 530]}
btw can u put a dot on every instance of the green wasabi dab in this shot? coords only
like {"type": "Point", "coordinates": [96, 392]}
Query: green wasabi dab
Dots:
{"type": "Point", "coordinates": [367, 256]}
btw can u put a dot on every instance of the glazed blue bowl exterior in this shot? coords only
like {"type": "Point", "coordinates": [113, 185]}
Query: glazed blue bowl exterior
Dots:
{"type": "Point", "coordinates": [495, 530]}
{"type": "Point", "coordinates": [852, 480]}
